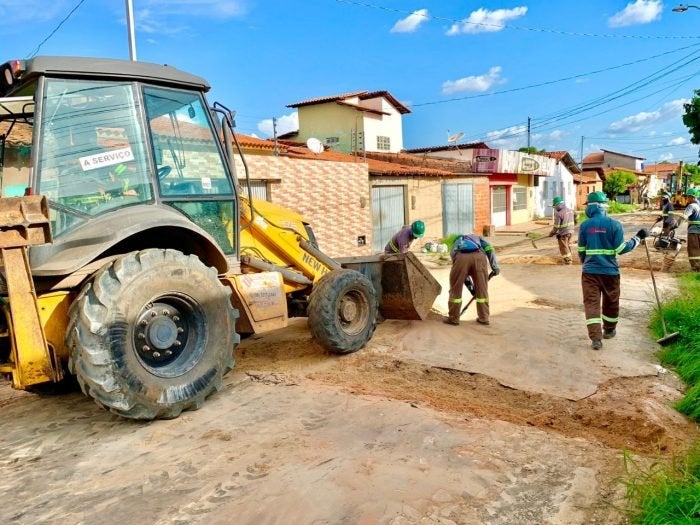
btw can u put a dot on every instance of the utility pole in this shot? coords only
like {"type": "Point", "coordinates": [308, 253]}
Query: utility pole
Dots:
{"type": "Point", "coordinates": [528, 135]}
{"type": "Point", "coordinates": [274, 134]}
{"type": "Point", "coordinates": [130, 29]}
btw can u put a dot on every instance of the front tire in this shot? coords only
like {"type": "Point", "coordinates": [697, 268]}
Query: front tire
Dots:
{"type": "Point", "coordinates": [343, 311]}
{"type": "Point", "coordinates": [152, 334]}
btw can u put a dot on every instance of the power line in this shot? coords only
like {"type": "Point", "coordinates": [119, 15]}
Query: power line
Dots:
{"type": "Point", "coordinates": [550, 82]}
{"type": "Point", "coordinates": [57, 28]}
{"type": "Point", "coordinates": [519, 28]}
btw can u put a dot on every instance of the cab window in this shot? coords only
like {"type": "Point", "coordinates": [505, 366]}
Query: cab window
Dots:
{"type": "Point", "coordinates": [187, 155]}
{"type": "Point", "coordinates": [92, 156]}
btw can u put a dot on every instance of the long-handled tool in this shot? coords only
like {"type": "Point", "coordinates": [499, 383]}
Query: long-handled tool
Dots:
{"type": "Point", "coordinates": [667, 339]}
{"type": "Point", "coordinates": [470, 286]}
{"type": "Point", "coordinates": [544, 237]}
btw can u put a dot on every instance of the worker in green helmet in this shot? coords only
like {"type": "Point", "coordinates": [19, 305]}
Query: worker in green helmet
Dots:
{"type": "Point", "coordinates": [600, 241]}
{"type": "Point", "coordinates": [563, 227]}
{"type": "Point", "coordinates": [401, 241]}
{"type": "Point", "coordinates": [692, 215]}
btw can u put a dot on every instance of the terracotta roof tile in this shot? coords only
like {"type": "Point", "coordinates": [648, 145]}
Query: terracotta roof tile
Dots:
{"type": "Point", "coordinates": [592, 158]}
{"type": "Point", "coordinates": [362, 95]}
{"type": "Point", "coordinates": [21, 133]}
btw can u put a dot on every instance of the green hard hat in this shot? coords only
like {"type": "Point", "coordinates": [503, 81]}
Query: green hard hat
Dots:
{"type": "Point", "coordinates": [418, 229]}
{"type": "Point", "coordinates": [597, 197]}
{"type": "Point", "coordinates": [557, 200]}
{"type": "Point", "coordinates": [692, 192]}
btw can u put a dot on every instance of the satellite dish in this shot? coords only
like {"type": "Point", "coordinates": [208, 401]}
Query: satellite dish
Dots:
{"type": "Point", "coordinates": [454, 138]}
{"type": "Point", "coordinates": [314, 145]}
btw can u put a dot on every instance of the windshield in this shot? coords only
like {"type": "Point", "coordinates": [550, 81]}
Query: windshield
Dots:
{"type": "Point", "coordinates": [92, 154]}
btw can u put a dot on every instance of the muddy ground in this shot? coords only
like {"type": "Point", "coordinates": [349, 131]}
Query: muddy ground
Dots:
{"type": "Point", "coordinates": [519, 422]}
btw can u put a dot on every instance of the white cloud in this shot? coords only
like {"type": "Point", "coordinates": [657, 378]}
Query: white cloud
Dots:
{"type": "Point", "coordinates": [639, 12]}
{"type": "Point", "coordinates": [484, 21]}
{"type": "Point", "coordinates": [411, 22]}
{"type": "Point", "coordinates": [19, 11]}
{"type": "Point", "coordinates": [644, 119]}
{"type": "Point", "coordinates": [557, 134]}
{"type": "Point", "coordinates": [476, 83]}
{"type": "Point", "coordinates": [285, 124]}
{"type": "Point", "coordinates": [513, 137]}
{"type": "Point", "coordinates": [157, 16]}
{"type": "Point", "coordinates": [665, 156]}
{"type": "Point", "coordinates": [202, 8]}
{"type": "Point", "coordinates": [678, 141]}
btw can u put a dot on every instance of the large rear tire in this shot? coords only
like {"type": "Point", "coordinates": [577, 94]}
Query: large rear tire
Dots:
{"type": "Point", "coordinates": [152, 334]}
{"type": "Point", "coordinates": [343, 311]}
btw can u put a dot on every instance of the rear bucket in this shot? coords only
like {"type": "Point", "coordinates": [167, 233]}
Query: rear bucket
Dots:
{"type": "Point", "coordinates": [406, 288]}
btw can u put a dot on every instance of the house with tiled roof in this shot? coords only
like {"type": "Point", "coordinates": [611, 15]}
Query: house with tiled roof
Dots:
{"type": "Point", "coordinates": [661, 175]}
{"type": "Point", "coordinates": [15, 157]}
{"type": "Point", "coordinates": [606, 159]}
{"type": "Point", "coordinates": [517, 182]}
{"type": "Point", "coordinates": [357, 121]}
{"type": "Point", "coordinates": [561, 183]}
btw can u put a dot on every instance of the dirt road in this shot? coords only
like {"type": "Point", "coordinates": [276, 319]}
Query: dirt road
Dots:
{"type": "Point", "coordinates": [518, 422]}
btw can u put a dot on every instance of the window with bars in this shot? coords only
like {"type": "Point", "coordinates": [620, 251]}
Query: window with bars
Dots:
{"type": "Point", "coordinates": [519, 198]}
{"type": "Point", "coordinates": [383, 143]}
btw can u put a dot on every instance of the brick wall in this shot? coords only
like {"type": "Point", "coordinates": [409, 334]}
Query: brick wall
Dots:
{"type": "Point", "coordinates": [424, 200]}
{"type": "Point", "coordinates": [332, 196]}
{"type": "Point", "coordinates": [482, 204]}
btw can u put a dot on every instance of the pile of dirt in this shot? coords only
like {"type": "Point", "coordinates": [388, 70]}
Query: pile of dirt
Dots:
{"type": "Point", "coordinates": [612, 416]}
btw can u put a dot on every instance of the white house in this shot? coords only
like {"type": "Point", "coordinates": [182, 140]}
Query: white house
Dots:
{"type": "Point", "coordinates": [560, 183]}
{"type": "Point", "coordinates": [359, 121]}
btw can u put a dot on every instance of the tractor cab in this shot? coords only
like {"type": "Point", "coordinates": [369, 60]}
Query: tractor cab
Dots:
{"type": "Point", "coordinates": [109, 138]}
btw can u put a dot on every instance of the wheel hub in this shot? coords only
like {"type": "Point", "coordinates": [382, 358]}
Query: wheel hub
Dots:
{"type": "Point", "coordinates": [160, 334]}
{"type": "Point", "coordinates": [348, 310]}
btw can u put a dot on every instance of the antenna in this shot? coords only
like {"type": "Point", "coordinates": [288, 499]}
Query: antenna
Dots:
{"type": "Point", "coordinates": [452, 140]}
{"type": "Point", "coordinates": [314, 145]}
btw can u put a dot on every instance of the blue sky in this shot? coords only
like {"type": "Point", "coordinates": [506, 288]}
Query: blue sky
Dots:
{"type": "Point", "coordinates": [614, 72]}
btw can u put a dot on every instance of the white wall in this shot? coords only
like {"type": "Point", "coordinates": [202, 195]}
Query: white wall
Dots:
{"type": "Point", "coordinates": [559, 184]}
{"type": "Point", "coordinates": [385, 125]}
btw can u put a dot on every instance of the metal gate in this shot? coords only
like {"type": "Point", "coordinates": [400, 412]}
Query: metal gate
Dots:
{"type": "Point", "coordinates": [457, 209]}
{"type": "Point", "coordinates": [388, 214]}
{"type": "Point", "coordinates": [499, 205]}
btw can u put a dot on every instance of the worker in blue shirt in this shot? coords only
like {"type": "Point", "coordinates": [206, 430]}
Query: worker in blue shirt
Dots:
{"type": "Point", "coordinates": [600, 241]}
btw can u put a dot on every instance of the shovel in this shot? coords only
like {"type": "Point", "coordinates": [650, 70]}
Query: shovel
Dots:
{"type": "Point", "coordinates": [667, 339]}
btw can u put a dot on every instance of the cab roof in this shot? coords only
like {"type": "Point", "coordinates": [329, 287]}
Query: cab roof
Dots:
{"type": "Point", "coordinates": [110, 69]}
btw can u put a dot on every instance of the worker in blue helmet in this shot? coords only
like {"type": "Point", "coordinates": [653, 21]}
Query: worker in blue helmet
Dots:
{"type": "Point", "coordinates": [401, 241]}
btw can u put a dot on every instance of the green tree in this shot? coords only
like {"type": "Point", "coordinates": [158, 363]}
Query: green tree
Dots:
{"type": "Point", "coordinates": [693, 173]}
{"type": "Point", "coordinates": [691, 119]}
{"type": "Point", "coordinates": [617, 182]}
{"type": "Point", "coordinates": [531, 150]}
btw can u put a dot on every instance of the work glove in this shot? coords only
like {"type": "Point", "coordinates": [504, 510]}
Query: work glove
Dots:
{"type": "Point", "coordinates": [642, 234]}
{"type": "Point", "coordinates": [495, 271]}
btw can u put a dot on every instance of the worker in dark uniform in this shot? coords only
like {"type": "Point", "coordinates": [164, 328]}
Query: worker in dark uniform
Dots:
{"type": "Point", "coordinates": [669, 221]}
{"type": "Point", "coordinates": [471, 256]}
{"type": "Point", "coordinates": [401, 241]}
{"type": "Point", "coordinates": [692, 215]}
{"type": "Point", "coordinates": [600, 241]}
{"type": "Point", "coordinates": [563, 228]}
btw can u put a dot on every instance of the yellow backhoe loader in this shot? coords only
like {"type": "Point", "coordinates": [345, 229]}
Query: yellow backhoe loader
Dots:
{"type": "Point", "coordinates": [131, 259]}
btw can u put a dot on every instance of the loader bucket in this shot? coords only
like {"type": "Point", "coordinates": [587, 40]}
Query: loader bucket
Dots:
{"type": "Point", "coordinates": [408, 290]}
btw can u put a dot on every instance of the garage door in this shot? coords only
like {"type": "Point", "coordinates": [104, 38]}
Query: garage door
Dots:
{"type": "Point", "coordinates": [499, 205]}
{"type": "Point", "coordinates": [388, 214]}
{"type": "Point", "coordinates": [457, 209]}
